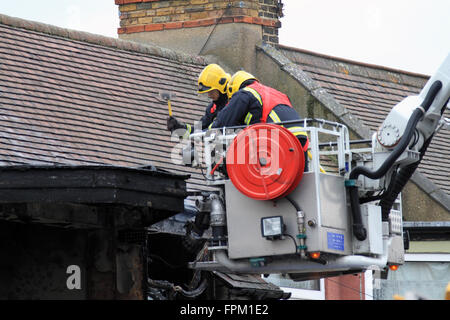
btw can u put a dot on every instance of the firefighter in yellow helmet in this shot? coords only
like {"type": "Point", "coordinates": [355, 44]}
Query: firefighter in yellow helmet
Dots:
{"type": "Point", "coordinates": [213, 81]}
{"type": "Point", "coordinates": [252, 102]}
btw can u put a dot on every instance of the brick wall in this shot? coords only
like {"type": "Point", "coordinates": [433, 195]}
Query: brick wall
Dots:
{"type": "Point", "coordinates": [348, 287]}
{"type": "Point", "coordinates": [158, 15]}
{"type": "Point", "coordinates": [270, 9]}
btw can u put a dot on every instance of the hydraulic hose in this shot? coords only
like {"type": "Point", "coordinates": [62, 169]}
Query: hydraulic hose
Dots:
{"type": "Point", "coordinates": [398, 183]}
{"type": "Point", "coordinates": [301, 236]}
{"type": "Point", "coordinates": [404, 141]}
{"type": "Point", "coordinates": [387, 164]}
{"type": "Point", "coordinates": [294, 203]}
{"type": "Point", "coordinates": [358, 228]}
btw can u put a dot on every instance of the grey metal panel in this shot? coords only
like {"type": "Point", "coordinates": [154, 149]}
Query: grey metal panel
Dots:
{"type": "Point", "coordinates": [333, 202]}
{"type": "Point", "coordinates": [244, 219]}
{"type": "Point", "coordinates": [332, 230]}
{"type": "Point", "coordinates": [244, 225]}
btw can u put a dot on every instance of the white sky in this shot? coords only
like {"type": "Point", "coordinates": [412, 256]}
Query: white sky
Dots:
{"type": "Point", "coordinates": [412, 35]}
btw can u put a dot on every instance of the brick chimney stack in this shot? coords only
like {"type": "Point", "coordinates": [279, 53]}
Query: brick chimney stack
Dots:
{"type": "Point", "coordinates": [200, 26]}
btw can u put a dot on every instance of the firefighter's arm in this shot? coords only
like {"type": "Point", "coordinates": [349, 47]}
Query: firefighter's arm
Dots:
{"type": "Point", "coordinates": [183, 130]}
{"type": "Point", "coordinates": [207, 118]}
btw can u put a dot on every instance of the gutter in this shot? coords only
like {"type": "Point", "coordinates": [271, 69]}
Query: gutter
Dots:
{"type": "Point", "coordinates": [427, 230]}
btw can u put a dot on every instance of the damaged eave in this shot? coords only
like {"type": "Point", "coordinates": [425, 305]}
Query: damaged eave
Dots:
{"type": "Point", "coordinates": [347, 118]}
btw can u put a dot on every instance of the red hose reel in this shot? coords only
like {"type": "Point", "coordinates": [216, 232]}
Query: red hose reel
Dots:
{"type": "Point", "coordinates": [265, 161]}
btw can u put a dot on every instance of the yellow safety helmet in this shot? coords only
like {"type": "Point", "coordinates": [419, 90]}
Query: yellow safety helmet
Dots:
{"type": "Point", "coordinates": [236, 81]}
{"type": "Point", "coordinates": [213, 77]}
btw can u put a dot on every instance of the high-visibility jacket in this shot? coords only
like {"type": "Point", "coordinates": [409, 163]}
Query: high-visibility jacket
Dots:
{"type": "Point", "coordinates": [269, 98]}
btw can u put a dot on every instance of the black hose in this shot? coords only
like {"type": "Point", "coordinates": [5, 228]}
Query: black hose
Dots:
{"type": "Point", "coordinates": [399, 181]}
{"type": "Point", "coordinates": [294, 203]}
{"type": "Point", "coordinates": [387, 164]}
{"type": "Point", "coordinates": [404, 141]}
{"type": "Point", "coordinates": [383, 194]}
{"type": "Point", "coordinates": [434, 89]}
{"type": "Point", "coordinates": [358, 228]}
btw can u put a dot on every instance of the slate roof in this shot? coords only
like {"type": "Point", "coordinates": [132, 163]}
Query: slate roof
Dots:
{"type": "Point", "coordinates": [74, 98]}
{"type": "Point", "coordinates": [369, 92]}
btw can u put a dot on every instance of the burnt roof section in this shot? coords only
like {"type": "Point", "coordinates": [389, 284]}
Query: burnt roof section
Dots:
{"type": "Point", "coordinates": [139, 187]}
{"type": "Point", "coordinates": [362, 95]}
{"type": "Point", "coordinates": [75, 98]}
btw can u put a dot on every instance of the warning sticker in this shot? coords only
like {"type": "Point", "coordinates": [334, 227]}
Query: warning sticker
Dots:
{"type": "Point", "coordinates": [335, 241]}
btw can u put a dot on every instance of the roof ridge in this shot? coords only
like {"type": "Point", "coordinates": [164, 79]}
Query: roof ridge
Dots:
{"type": "Point", "coordinates": [345, 60]}
{"type": "Point", "coordinates": [101, 40]}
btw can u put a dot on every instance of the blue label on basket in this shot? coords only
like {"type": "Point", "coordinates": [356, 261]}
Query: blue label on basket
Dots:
{"type": "Point", "coordinates": [335, 241]}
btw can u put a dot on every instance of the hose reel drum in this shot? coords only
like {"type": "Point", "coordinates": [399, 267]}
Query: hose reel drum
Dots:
{"type": "Point", "coordinates": [265, 162]}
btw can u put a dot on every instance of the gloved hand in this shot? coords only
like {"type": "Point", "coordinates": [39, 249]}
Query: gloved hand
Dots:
{"type": "Point", "coordinates": [173, 124]}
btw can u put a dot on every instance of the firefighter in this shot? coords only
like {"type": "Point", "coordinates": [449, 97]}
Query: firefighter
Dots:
{"type": "Point", "coordinates": [252, 102]}
{"type": "Point", "coordinates": [213, 80]}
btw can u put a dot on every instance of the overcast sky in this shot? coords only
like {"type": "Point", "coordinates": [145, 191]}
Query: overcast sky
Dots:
{"type": "Point", "coordinates": [412, 35]}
